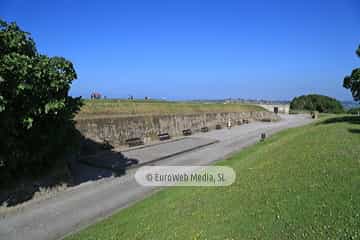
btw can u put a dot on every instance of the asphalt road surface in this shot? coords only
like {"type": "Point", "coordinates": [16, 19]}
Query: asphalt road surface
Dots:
{"type": "Point", "coordinates": [80, 206]}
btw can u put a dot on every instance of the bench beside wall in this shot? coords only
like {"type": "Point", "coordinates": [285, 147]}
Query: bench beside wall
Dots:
{"type": "Point", "coordinates": [117, 129]}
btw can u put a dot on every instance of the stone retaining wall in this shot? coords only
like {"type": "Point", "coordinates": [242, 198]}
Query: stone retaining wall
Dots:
{"type": "Point", "coordinates": [117, 129]}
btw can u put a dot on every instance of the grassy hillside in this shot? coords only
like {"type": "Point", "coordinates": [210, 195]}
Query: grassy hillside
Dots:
{"type": "Point", "coordinates": [125, 107]}
{"type": "Point", "coordinates": [303, 183]}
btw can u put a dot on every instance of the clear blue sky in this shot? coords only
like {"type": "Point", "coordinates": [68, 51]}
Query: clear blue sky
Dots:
{"type": "Point", "coordinates": [190, 49]}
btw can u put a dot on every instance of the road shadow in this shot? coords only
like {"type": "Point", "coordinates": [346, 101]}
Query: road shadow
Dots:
{"type": "Point", "coordinates": [354, 130]}
{"type": "Point", "coordinates": [96, 161]}
{"type": "Point", "coordinates": [93, 161]}
{"type": "Point", "coordinates": [349, 119]}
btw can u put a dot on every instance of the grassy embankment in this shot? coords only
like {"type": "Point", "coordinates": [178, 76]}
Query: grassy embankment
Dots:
{"type": "Point", "coordinates": [94, 108]}
{"type": "Point", "coordinates": [303, 183]}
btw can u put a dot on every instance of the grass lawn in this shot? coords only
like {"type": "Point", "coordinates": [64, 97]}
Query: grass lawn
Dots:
{"type": "Point", "coordinates": [303, 183]}
{"type": "Point", "coordinates": [140, 107]}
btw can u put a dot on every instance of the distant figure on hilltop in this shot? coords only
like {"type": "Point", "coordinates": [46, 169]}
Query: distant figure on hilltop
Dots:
{"type": "Point", "coordinates": [95, 95]}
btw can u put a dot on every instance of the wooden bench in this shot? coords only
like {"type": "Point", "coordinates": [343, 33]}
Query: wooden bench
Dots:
{"type": "Point", "coordinates": [163, 136]}
{"type": "Point", "coordinates": [106, 145]}
{"type": "Point", "coordinates": [218, 126]}
{"type": "Point", "coordinates": [132, 142]}
{"type": "Point", "coordinates": [204, 129]}
{"type": "Point", "coordinates": [266, 120]}
{"type": "Point", "coordinates": [187, 132]}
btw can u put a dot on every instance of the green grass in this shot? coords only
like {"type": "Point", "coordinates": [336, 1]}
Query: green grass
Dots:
{"type": "Point", "coordinates": [151, 107]}
{"type": "Point", "coordinates": [303, 183]}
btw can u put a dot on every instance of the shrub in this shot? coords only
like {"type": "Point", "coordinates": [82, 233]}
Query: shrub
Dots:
{"type": "Point", "coordinates": [36, 126]}
{"type": "Point", "coordinates": [314, 102]}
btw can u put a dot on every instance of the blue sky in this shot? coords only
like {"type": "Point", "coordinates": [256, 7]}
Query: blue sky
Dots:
{"type": "Point", "coordinates": [193, 49]}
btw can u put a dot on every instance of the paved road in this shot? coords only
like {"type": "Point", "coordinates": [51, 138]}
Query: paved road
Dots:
{"type": "Point", "coordinates": [108, 163]}
{"type": "Point", "coordinates": [161, 151]}
{"type": "Point", "coordinates": [80, 206]}
{"type": "Point", "coordinates": [148, 153]}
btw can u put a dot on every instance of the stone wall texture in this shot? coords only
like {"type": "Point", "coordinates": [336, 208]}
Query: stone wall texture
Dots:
{"type": "Point", "coordinates": [117, 129]}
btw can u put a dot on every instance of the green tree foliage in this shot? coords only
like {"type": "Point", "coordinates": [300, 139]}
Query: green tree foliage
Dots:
{"type": "Point", "coordinates": [352, 82]}
{"type": "Point", "coordinates": [36, 126]}
{"type": "Point", "coordinates": [314, 102]}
